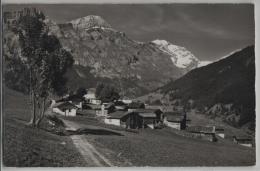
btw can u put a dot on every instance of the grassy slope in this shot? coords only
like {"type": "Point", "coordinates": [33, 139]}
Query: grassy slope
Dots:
{"type": "Point", "coordinates": [25, 146]}
{"type": "Point", "coordinates": [165, 148]}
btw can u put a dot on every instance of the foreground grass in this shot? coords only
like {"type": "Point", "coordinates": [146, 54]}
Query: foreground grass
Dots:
{"type": "Point", "coordinates": [26, 146]}
{"type": "Point", "coordinates": [164, 148]}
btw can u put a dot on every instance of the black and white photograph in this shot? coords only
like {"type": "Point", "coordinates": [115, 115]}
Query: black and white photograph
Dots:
{"type": "Point", "coordinates": [128, 84]}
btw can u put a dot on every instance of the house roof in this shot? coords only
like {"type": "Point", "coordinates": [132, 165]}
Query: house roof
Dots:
{"type": "Point", "coordinates": [119, 103]}
{"type": "Point", "coordinates": [109, 105]}
{"type": "Point", "coordinates": [66, 105]}
{"type": "Point", "coordinates": [136, 105]}
{"type": "Point", "coordinates": [57, 104]}
{"type": "Point", "coordinates": [153, 107]}
{"type": "Point", "coordinates": [243, 138]}
{"type": "Point", "coordinates": [200, 129]}
{"type": "Point", "coordinates": [148, 111]}
{"type": "Point", "coordinates": [74, 99]}
{"type": "Point", "coordinates": [173, 113]}
{"type": "Point", "coordinates": [117, 115]}
{"type": "Point", "coordinates": [219, 129]}
{"type": "Point", "coordinates": [90, 96]}
{"type": "Point", "coordinates": [147, 115]}
{"type": "Point", "coordinates": [121, 107]}
{"type": "Point", "coordinates": [174, 116]}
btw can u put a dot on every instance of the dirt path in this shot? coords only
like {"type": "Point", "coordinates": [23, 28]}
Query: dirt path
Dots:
{"type": "Point", "coordinates": [88, 151]}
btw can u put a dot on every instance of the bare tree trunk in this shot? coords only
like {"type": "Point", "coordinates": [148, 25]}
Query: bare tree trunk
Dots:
{"type": "Point", "coordinates": [32, 102]}
{"type": "Point", "coordinates": [41, 113]}
{"type": "Point", "coordinates": [33, 110]}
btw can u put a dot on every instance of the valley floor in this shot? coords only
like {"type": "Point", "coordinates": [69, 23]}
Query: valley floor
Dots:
{"type": "Point", "coordinates": [92, 143]}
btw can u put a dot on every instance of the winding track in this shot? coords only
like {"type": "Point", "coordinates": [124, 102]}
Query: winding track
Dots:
{"type": "Point", "coordinates": [88, 151]}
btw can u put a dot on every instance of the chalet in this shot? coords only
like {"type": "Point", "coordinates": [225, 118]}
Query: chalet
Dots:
{"type": "Point", "coordinates": [153, 107]}
{"type": "Point", "coordinates": [117, 118]}
{"type": "Point", "coordinates": [150, 117]}
{"type": "Point", "coordinates": [105, 109]}
{"type": "Point", "coordinates": [175, 120]}
{"type": "Point", "coordinates": [76, 101]}
{"type": "Point", "coordinates": [135, 105]}
{"type": "Point", "coordinates": [220, 132]}
{"type": "Point", "coordinates": [243, 140]}
{"type": "Point", "coordinates": [203, 132]}
{"type": "Point", "coordinates": [65, 108]}
{"type": "Point", "coordinates": [120, 106]}
{"type": "Point", "coordinates": [94, 108]}
{"type": "Point", "coordinates": [148, 120]}
{"type": "Point", "coordinates": [135, 120]}
{"type": "Point", "coordinates": [126, 100]}
{"type": "Point", "coordinates": [90, 97]}
{"type": "Point", "coordinates": [157, 112]}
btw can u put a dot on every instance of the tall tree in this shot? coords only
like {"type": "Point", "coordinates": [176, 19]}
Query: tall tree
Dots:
{"type": "Point", "coordinates": [44, 59]}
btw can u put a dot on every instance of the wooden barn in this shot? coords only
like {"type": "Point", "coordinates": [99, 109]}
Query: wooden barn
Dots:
{"type": "Point", "coordinates": [220, 131]}
{"type": "Point", "coordinates": [76, 101]}
{"type": "Point", "coordinates": [135, 120]}
{"type": "Point", "coordinates": [243, 140]}
{"type": "Point", "coordinates": [120, 106]}
{"type": "Point", "coordinates": [176, 120]}
{"type": "Point", "coordinates": [135, 105]}
{"type": "Point", "coordinates": [117, 118]}
{"type": "Point", "coordinates": [150, 117]}
{"type": "Point", "coordinates": [66, 109]}
{"type": "Point", "coordinates": [203, 132]}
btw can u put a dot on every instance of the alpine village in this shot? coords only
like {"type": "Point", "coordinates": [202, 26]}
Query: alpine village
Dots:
{"type": "Point", "coordinates": [82, 93]}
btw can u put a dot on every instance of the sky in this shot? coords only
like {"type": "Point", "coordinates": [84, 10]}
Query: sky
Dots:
{"type": "Point", "coordinates": [209, 31]}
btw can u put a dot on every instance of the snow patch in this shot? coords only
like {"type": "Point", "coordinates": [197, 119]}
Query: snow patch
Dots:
{"type": "Point", "coordinates": [231, 53]}
{"type": "Point", "coordinates": [180, 56]}
{"type": "Point", "coordinates": [204, 63]}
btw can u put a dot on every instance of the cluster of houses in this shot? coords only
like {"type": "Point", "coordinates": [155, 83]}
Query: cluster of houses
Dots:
{"type": "Point", "coordinates": [136, 115]}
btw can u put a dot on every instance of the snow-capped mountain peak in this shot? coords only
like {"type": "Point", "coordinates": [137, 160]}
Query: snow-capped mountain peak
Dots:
{"type": "Point", "coordinates": [89, 21]}
{"type": "Point", "coordinates": [180, 56]}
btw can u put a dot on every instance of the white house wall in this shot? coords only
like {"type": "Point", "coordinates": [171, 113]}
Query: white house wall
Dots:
{"type": "Point", "coordinates": [72, 112]}
{"type": "Point", "coordinates": [173, 125]}
{"type": "Point", "coordinates": [112, 121]}
{"type": "Point", "coordinates": [222, 135]}
{"type": "Point", "coordinates": [79, 105]}
{"type": "Point", "coordinates": [58, 111]}
{"type": "Point", "coordinates": [246, 145]}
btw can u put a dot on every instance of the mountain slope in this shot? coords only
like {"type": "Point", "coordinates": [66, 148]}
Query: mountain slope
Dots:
{"type": "Point", "coordinates": [102, 53]}
{"type": "Point", "coordinates": [111, 54]}
{"type": "Point", "coordinates": [225, 88]}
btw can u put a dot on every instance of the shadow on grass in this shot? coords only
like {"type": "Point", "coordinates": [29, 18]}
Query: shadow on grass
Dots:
{"type": "Point", "coordinates": [93, 132]}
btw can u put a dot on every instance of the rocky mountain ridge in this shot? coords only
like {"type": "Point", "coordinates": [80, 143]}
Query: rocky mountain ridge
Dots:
{"type": "Point", "coordinates": [102, 53]}
{"type": "Point", "coordinates": [112, 54]}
